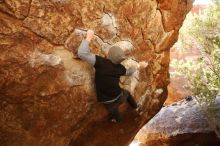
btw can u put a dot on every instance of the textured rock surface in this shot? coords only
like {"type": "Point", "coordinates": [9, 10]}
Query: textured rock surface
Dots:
{"type": "Point", "coordinates": [47, 95]}
{"type": "Point", "coordinates": [181, 123]}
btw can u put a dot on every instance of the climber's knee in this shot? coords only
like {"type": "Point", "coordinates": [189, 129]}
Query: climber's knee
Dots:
{"type": "Point", "coordinates": [129, 98]}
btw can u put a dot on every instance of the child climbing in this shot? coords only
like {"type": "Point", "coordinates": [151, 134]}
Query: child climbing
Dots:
{"type": "Point", "coordinates": [107, 76]}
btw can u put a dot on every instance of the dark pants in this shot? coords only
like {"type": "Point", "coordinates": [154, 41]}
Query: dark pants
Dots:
{"type": "Point", "coordinates": [113, 107]}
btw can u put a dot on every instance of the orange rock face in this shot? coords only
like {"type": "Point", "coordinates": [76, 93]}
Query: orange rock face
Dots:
{"type": "Point", "coordinates": [47, 94]}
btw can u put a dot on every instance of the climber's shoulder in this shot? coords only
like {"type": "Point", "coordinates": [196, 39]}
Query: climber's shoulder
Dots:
{"type": "Point", "coordinates": [101, 61]}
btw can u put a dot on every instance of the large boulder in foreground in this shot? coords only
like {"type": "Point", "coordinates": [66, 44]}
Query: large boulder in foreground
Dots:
{"type": "Point", "coordinates": [181, 124]}
{"type": "Point", "coordinates": [47, 95]}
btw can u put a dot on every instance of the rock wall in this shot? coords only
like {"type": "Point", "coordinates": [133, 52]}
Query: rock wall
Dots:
{"type": "Point", "coordinates": [47, 95]}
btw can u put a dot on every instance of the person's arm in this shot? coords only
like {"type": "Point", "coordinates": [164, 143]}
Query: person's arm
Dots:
{"type": "Point", "coordinates": [131, 70]}
{"type": "Point", "coordinates": [84, 50]}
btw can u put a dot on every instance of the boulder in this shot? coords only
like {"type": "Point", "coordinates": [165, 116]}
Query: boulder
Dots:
{"type": "Point", "coordinates": [47, 95]}
{"type": "Point", "coordinates": [181, 124]}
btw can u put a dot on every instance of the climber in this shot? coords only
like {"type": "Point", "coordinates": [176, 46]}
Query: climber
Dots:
{"type": "Point", "coordinates": [107, 76]}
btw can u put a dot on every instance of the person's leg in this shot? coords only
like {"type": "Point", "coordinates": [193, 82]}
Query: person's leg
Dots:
{"type": "Point", "coordinates": [112, 108]}
{"type": "Point", "coordinates": [130, 99]}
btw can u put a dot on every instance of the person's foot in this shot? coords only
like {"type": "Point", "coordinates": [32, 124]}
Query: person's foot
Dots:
{"type": "Point", "coordinates": [115, 119]}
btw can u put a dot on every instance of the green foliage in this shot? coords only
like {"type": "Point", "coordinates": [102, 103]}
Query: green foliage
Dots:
{"type": "Point", "coordinates": [202, 32]}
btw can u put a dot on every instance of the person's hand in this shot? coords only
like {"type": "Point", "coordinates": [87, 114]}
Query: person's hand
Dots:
{"type": "Point", "coordinates": [89, 35]}
{"type": "Point", "coordinates": [142, 64]}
